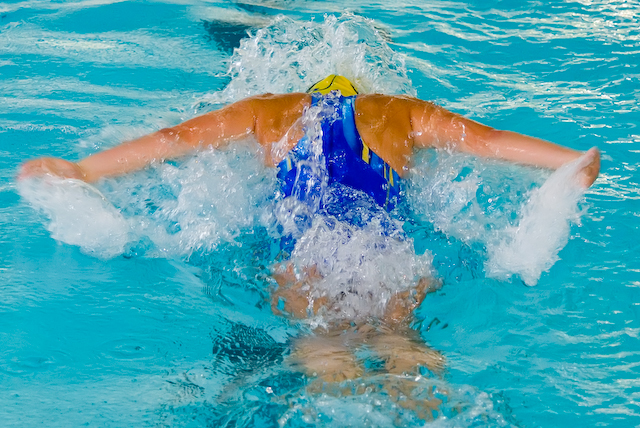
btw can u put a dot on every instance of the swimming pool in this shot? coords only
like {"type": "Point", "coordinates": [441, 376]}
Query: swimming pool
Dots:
{"type": "Point", "coordinates": [155, 313]}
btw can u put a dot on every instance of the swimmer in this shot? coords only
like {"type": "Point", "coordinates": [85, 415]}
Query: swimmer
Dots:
{"type": "Point", "coordinates": [368, 142]}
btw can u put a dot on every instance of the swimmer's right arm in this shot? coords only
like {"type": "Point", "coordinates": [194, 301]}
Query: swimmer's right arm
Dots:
{"type": "Point", "coordinates": [438, 127]}
{"type": "Point", "coordinates": [213, 129]}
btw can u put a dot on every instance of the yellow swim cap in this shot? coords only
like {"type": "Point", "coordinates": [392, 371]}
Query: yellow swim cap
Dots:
{"type": "Point", "coordinates": [334, 82]}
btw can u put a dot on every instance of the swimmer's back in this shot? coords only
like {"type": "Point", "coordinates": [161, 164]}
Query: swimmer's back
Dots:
{"type": "Point", "coordinates": [384, 123]}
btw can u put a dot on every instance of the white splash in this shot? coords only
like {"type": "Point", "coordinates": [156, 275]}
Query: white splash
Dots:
{"type": "Point", "coordinates": [193, 206]}
{"type": "Point", "coordinates": [289, 56]}
{"type": "Point", "coordinates": [463, 406]}
{"type": "Point", "coordinates": [79, 215]}
{"type": "Point", "coordinates": [532, 246]}
{"type": "Point", "coordinates": [438, 195]}
{"type": "Point", "coordinates": [488, 202]}
{"type": "Point", "coordinates": [217, 195]}
{"type": "Point", "coordinates": [360, 268]}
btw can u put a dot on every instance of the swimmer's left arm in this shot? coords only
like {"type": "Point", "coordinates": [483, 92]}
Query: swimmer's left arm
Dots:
{"type": "Point", "coordinates": [434, 126]}
{"type": "Point", "coordinates": [213, 129]}
{"type": "Point", "coordinates": [267, 117]}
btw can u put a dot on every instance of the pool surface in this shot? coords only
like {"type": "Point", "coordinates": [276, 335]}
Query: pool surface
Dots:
{"type": "Point", "coordinates": [144, 301]}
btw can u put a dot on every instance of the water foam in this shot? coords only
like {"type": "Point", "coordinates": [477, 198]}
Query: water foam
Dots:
{"type": "Point", "coordinates": [79, 215]}
{"type": "Point", "coordinates": [482, 201]}
{"type": "Point", "coordinates": [532, 246]}
{"type": "Point", "coordinates": [176, 209]}
{"type": "Point", "coordinates": [440, 192]}
{"type": "Point", "coordinates": [289, 56]}
{"type": "Point", "coordinates": [360, 268]}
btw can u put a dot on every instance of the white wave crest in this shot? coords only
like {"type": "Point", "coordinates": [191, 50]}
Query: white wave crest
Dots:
{"type": "Point", "coordinates": [482, 201]}
{"type": "Point", "coordinates": [360, 268]}
{"type": "Point", "coordinates": [176, 209]}
{"type": "Point", "coordinates": [289, 56]}
{"type": "Point", "coordinates": [79, 215]}
{"type": "Point", "coordinates": [532, 246]}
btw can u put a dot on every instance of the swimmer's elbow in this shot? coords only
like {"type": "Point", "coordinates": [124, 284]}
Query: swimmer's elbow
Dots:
{"type": "Point", "coordinates": [483, 141]}
{"type": "Point", "coordinates": [466, 135]}
{"type": "Point", "coordinates": [174, 142]}
{"type": "Point", "coordinates": [180, 137]}
{"type": "Point", "coordinates": [166, 135]}
{"type": "Point", "coordinates": [214, 129]}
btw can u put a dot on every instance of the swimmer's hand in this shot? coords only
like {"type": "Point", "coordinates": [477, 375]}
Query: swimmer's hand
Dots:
{"type": "Point", "coordinates": [51, 166]}
{"type": "Point", "coordinates": [589, 167]}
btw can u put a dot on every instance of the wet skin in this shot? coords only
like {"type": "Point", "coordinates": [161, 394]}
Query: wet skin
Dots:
{"type": "Point", "coordinates": [392, 126]}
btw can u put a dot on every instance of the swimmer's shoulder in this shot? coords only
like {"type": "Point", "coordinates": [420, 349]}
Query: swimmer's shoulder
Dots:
{"type": "Point", "coordinates": [266, 103]}
{"type": "Point", "coordinates": [274, 116]}
{"type": "Point", "coordinates": [395, 105]}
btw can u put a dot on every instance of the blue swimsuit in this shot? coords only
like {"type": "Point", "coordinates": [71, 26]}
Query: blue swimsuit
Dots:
{"type": "Point", "coordinates": [347, 160]}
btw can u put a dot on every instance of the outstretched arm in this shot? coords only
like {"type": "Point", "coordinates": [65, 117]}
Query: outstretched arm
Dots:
{"type": "Point", "coordinates": [434, 126]}
{"type": "Point", "coordinates": [212, 129]}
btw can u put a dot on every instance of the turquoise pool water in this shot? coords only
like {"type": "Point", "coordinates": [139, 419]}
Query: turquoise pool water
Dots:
{"type": "Point", "coordinates": [150, 309]}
